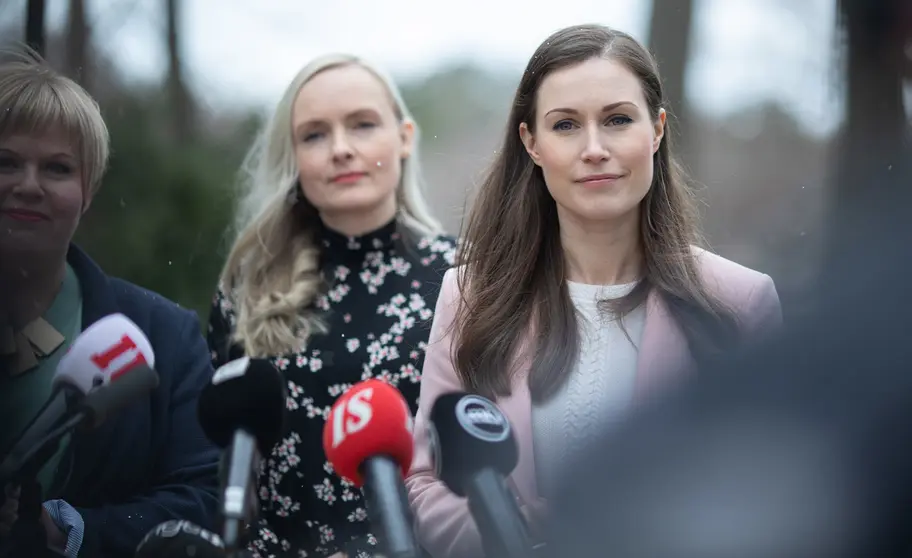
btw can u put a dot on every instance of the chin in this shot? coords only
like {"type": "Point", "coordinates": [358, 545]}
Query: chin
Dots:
{"type": "Point", "coordinates": [604, 212]}
{"type": "Point", "coordinates": [356, 200]}
{"type": "Point", "coordinates": [608, 206]}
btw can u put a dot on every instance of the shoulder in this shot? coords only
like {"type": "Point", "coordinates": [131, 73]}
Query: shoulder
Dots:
{"type": "Point", "coordinates": [450, 287]}
{"type": "Point", "coordinates": [171, 328]}
{"type": "Point", "coordinates": [745, 290]}
{"type": "Point", "coordinates": [430, 257]}
{"type": "Point", "coordinates": [715, 268]}
{"type": "Point", "coordinates": [223, 303]}
{"type": "Point", "coordinates": [147, 305]}
{"type": "Point", "coordinates": [437, 249]}
{"type": "Point", "coordinates": [174, 332]}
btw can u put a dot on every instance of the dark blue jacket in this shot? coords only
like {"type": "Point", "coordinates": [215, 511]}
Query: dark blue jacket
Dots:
{"type": "Point", "coordinates": [150, 462]}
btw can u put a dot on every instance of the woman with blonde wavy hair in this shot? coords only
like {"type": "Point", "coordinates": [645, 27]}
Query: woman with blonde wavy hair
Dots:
{"type": "Point", "coordinates": [333, 275]}
{"type": "Point", "coordinates": [579, 289]}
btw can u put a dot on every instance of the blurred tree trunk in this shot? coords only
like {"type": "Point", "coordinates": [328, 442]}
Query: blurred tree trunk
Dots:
{"type": "Point", "coordinates": [181, 103]}
{"type": "Point", "coordinates": [77, 44]}
{"type": "Point", "coordinates": [34, 26]}
{"type": "Point", "coordinates": [669, 41]}
{"type": "Point", "coordinates": [874, 144]}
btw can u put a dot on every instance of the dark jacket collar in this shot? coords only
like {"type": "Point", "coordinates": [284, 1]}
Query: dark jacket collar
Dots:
{"type": "Point", "coordinates": [98, 298]}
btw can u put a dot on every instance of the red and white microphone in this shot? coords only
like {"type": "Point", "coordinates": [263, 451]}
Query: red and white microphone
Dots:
{"type": "Point", "coordinates": [117, 358]}
{"type": "Point", "coordinates": [368, 440]}
{"type": "Point", "coordinates": [107, 367]}
{"type": "Point", "coordinates": [103, 352]}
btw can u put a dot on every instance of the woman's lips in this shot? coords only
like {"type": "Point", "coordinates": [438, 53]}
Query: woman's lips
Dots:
{"type": "Point", "coordinates": [25, 215]}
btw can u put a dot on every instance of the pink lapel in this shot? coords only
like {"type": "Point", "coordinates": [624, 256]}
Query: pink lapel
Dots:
{"type": "Point", "coordinates": [518, 408]}
{"type": "Point", "coordinates": [662, 350]}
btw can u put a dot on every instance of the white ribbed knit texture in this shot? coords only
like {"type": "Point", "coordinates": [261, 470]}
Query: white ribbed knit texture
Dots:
{"type": "Point", "coordinates": [600, 388]}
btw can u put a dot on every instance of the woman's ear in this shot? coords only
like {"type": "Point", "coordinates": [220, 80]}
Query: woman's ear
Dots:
{"type": "Point", "coordinates": [407, 134]}
{"type": "Point", "coordinates": [528, 140]}
{"type": "Point", "coordinates": [659, 130]}
{"type": "Point", "coordinates": [87, 203]}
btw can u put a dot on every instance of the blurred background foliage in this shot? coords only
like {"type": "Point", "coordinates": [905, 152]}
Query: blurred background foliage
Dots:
{"type": "Point", "coordinates": [162, 217]}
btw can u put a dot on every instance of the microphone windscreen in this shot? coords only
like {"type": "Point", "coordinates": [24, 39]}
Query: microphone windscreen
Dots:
{"type": "Point", "coordinates": [469, 433]}
{"type": "Point", "coordinates": [179, 539]}
{"type": "Point", "coordinates": [245, 394]}
{"type": "Point", "coordinates": [130, 387]}
{"type": "Point", "coordinates": [103, 352]}
{"type": "Point", "coordinates": [371, 419]}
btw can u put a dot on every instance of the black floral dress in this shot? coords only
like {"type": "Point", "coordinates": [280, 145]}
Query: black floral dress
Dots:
{"type": "Point", "coordinates": [381, 291]}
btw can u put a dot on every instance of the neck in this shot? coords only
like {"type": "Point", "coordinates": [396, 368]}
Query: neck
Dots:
{"type": "Point", "coordinates": [26, 292]}
{"type": "Point", "coordinates": [600, 253]}
{"type": "Point", "coordinates": [357, 223]}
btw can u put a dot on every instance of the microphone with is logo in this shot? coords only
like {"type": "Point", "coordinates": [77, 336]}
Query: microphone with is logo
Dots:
{"type": "Point", "coordinates": [368, 439]}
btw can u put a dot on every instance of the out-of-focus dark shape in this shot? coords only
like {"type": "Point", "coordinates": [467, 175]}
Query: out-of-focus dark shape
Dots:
{"type": "Point", "coordinates": [670, 37]}
{"type": "Point", "coordinates": [798, 448]}
{"type": "Point", "coordinates": [875, 138]}
{"type": "Point", "coordinates": [34, 25]}
{"type": "Point", "coordinates": [78, 33]}
{"type": "Point", "coordinates": [182, 119]}
{"type": "Point", "coordinates": [795, 449]}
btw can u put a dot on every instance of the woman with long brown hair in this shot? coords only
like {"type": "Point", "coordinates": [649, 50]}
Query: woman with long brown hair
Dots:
{"type": "Point", "coordinates": [579, 287]}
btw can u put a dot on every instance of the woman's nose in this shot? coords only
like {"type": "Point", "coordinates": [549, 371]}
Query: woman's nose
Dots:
{"type": "Point", "coordinates": [30, 183]}
{"type": "Point", "coordinates": [596, 148]}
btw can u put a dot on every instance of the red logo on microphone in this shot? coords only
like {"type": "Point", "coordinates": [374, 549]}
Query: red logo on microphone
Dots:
{"type": "Point", "coordinates": [125, 346]}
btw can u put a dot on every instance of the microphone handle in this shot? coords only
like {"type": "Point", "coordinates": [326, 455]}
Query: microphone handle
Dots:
{"type": "Point", "coordinates": [55, 409]}
{"type": "Point", "coordinates": [27, 465]}
{"type": "Point", "coordinates": [388, 508]}
{"type": "Point", "coordinates": [90, 410]}
{"type": "Point", "coordinates": [28, 537]}
{"type": "Point", "coordinates": [101, 403]}
{"type": "Point", "coordinates": [238, 488]}
{"type": "Point", "coordinates": [502, 528]}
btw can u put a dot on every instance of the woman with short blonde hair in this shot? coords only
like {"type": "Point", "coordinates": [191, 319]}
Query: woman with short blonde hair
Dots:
{"type": "Point", "coordinates": [105, 489]}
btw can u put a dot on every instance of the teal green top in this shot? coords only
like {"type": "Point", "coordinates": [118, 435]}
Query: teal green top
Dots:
{"type": "Point", "coordinates": [23, 395]}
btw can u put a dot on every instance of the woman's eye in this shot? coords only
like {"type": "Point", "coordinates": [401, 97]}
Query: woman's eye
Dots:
{"type": "Point", "coordinates": [59, 168]}
{"type": "Point", "coordinates": [619, 120]}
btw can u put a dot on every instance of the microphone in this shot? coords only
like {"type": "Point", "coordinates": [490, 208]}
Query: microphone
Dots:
{"type": "Point", "coordinates": [368, 439]}
{"type": "Point", "coordinates": [106, 350]}
{"type": "Point", "coordinates": [244, 408]}
{"type": "Point", "coordinates": [112, 351]}
{"type": "Point", "coordinates": [180, 539]}
{"type": "Point", "coordinates": [474, 451]}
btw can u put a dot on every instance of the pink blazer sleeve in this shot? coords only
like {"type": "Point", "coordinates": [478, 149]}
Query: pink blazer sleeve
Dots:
{"type": "Point", "coordinates": [444, 526]}
{"type": "Point", "coordinates": [762, 310]}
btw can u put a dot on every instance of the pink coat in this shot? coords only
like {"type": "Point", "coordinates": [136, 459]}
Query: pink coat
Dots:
{"type": "Point", "coordinates": [445, 527]}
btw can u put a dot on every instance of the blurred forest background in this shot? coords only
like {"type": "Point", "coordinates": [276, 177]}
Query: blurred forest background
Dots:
{"type": "Point", "coordinates": [161, 218]}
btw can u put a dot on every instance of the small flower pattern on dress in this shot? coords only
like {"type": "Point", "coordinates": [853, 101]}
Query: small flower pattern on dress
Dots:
{"type": "Point", "coordinates": [378, 305]}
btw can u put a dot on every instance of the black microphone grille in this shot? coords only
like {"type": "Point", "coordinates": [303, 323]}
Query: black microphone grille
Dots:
{"type": "Point", "coordinates": [128, 388]}
{"type": "Point", "coordinates": [469, 433]}
{"type": "Point", "coordinates": [178, 539]}
{"type": "Point", "coordinates": [246, 394]}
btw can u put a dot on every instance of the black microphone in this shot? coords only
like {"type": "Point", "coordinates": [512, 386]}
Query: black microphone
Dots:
{"type": "Point", "coordinates": [180, 539]}
{"type": "Point", "coordinates": [28, 536]}
{"type": "Point", "coordinates": [244, 408]}
{"type": "Point", "coordinates": [103, 353]}
{"type": "Point", "coordinates": [97, 405]}
{"type": "Point", "coordinates": [474, 451]}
